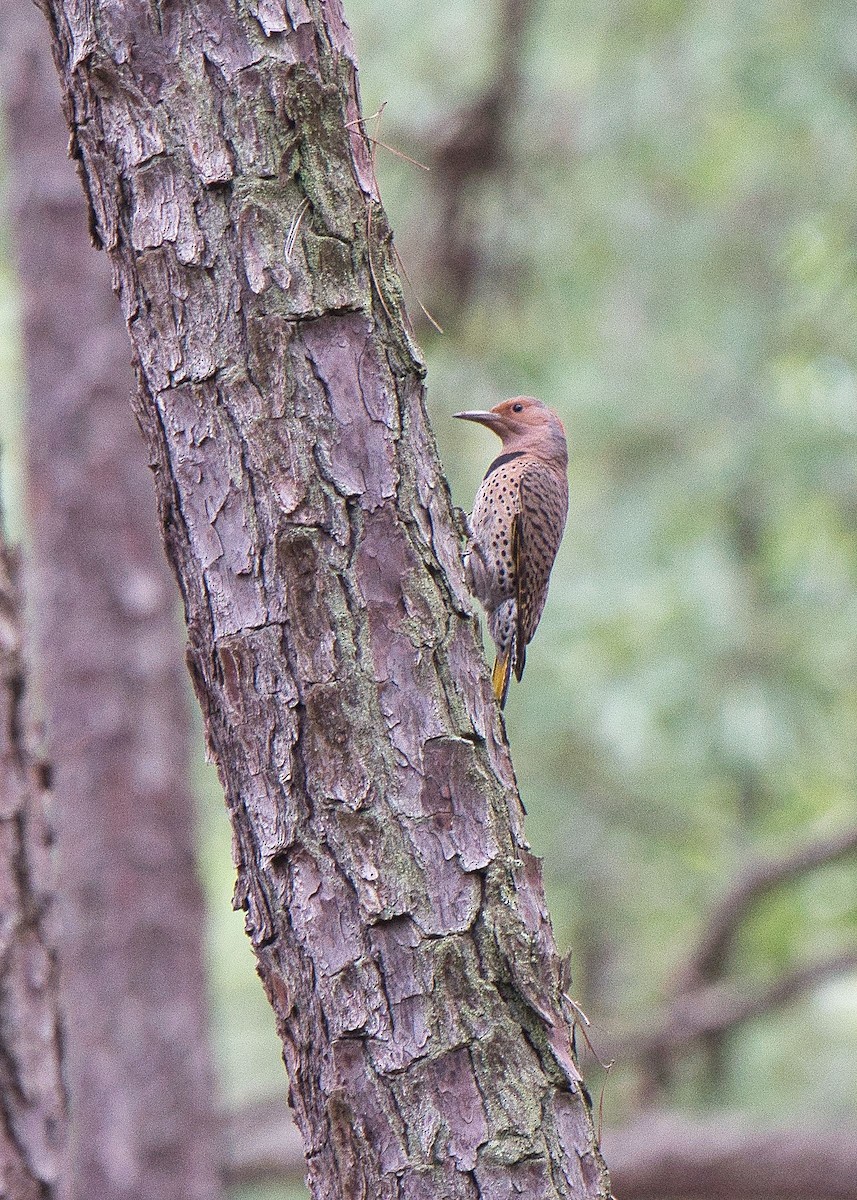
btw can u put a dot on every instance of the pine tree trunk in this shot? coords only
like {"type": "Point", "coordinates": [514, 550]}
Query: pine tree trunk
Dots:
{"type": "Point", "coordinates": [137, 1056]}
{"type": "Point", "coordinates": [32, 1099]}
{"type": "Point", "coordinates": [397, 916]}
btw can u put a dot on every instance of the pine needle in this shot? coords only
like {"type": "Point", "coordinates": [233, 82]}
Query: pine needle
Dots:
{"type": "Point", "coordinates": [375, 142]}
{"type": "Point", "coordinates": [293, 229]}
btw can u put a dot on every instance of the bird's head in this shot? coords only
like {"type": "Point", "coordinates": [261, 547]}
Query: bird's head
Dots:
{"type": "Point", "coordinates": [524, 423]}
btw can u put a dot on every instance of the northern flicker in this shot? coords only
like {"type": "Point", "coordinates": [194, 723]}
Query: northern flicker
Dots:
{"type": "Point", "coordinates": [516, 527]}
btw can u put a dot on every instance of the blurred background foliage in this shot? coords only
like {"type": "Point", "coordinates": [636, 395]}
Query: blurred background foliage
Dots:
{"type": "Point", "coordinates": [664, 251]}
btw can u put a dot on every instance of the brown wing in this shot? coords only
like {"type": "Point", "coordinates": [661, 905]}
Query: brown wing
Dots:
{"type": "Point", "coordinates": [537, 533]}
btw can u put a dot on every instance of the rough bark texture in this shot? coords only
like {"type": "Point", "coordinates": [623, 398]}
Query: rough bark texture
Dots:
{"type": "Point", "coordinates": [139, 1072]}
{"type": "Point", "coordinates": [32, 1101]}
{"type": "Point", "coordinates": [397, 916]}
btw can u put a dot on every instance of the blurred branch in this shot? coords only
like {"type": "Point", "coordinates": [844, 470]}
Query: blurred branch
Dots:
{"type": "Point", "coordinates": [660, 1156]}
{"type": "Point", "coordinates": [473, 148]}
{"type": "Point", "coordinates": [261, 1143]}
{"type": "Point", "coordinates": [756, 881]}
{"type": "Point", "coordinates": [473, 143]}
{"type": "Point", "coordinates": [721, 1006]}
{"type": "Point", "coordinates": [665, 1157]}
{"type": "Point", "coordinates": [704, 1006]}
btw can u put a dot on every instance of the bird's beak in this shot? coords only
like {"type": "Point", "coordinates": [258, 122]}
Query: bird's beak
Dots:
{"type": "Point", "coordinates": [491, 419]}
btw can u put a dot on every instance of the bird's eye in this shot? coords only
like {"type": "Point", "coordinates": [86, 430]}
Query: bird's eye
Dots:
{"type": "Point", "coordinates": [517, 408]}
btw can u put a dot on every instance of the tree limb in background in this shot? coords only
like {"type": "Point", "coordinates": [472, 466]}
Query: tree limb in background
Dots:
{"type": "Point", "coordinates": [32, 1098]}
{"type": "Point", "coordinates": [138, 1061]}
{"type": "Point", "coordinates": [661, 1156]}
{"type": "Point", "coordinates": [397, 916]}
{"type": "Point", "coordinates": [261, 1145]}
{"type": "Point", "coordinates": [671, 1158]}
{"type": "Point", "coordinates": [721, 1006]}
{"type": "Point", "coordinates": [704, 1006]}
{"type": "Point", "coordinates": [472, 148]}
{"type": "Point", "coordinates": [750, 886]}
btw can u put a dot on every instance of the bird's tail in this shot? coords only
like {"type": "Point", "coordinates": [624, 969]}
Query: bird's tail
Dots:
{"type": "Point", "coordinates": [502, 672]}
{"type": "Point", "coordinates": [502, 622]}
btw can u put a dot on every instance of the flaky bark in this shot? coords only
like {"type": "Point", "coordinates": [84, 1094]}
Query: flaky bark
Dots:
{"type": "Point", "coordinates": [32, 1100]}
{"type": "Point", "coordinates": [397, 916]}
{"type": "Point", "coordinates": [139, 1072]}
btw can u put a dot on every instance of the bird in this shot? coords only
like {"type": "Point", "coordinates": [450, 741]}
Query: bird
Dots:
{"type": "Point", "coordinates": [516, 527]}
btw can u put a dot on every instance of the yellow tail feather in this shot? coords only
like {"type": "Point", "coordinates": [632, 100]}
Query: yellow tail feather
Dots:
{"type": "Point", "coordinates": [500, 676]}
